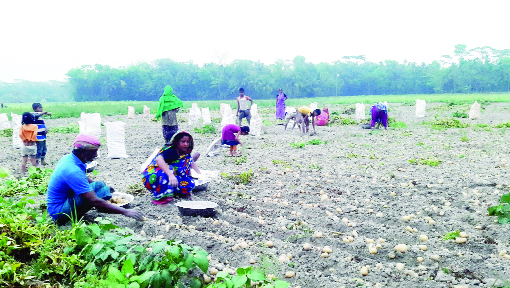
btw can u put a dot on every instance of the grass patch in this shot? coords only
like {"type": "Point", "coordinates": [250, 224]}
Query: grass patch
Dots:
{"type": "Point", "coordinates": [458, 114]}
{"type": "Point", "coordinates": [238, 178]}
{"type": "Point", "coordinates": [425, 161]}
{"type": "Point", "coordinates": [398, 125]}
{"type": "Point", "coordinates": [298, 145]}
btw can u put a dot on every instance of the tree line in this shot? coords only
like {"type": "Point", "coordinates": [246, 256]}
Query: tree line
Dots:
{"type": "Point", "coordinates": [478, 70]}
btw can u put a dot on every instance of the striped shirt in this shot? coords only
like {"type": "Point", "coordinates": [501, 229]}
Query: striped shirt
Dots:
{"type": "Point", "coordinates": [41, 128]}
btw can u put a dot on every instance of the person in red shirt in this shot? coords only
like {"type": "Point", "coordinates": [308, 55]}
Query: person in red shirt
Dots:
{"type": "Point", "coordinates": [230, 136]}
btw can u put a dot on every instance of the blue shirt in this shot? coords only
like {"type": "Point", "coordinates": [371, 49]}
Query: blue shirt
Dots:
{"type": "Point", "coordinates": [68, 179]}
{"type": "Point", "coordinates": [41, 127]}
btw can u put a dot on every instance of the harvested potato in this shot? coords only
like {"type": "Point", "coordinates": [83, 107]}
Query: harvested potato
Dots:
{"type": "Point", "coordinates": [401, 248]}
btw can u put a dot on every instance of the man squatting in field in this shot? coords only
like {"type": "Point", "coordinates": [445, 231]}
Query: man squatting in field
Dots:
{"type": "Point", "coordinates": [71, 194]}
{"type": "Point", "coordinates": [301, 117]}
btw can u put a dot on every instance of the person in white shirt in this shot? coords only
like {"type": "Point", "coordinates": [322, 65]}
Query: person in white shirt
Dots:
{"type": "Point", "coordinates": [243, 108]}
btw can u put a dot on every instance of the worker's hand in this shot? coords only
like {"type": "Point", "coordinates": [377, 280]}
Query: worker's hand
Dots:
{"type": "Point", "coordinates": [48, 113]}
{"type": "Point", "coordinates": [172, 181]}
{"type": "Point", "coordinates": [133, 214]}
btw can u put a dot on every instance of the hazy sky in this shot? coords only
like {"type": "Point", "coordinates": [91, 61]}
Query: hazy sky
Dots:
{"type": "Point", "coordinates": [42, 40]}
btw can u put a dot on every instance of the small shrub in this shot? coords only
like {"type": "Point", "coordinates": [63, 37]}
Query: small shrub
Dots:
{"type": "Point", "coordinates": [315, 142]}
{"type": "Point", "coordinates": [430, 161]}
{"type": "Point", "coordinates": [298, 145]}
{"type": "Point", "coordinates": [207, 129]}
{"type": "Point", "coordinates": [448, 123]}
{"type": "Point", "coordinates": [240, 160]}
{"type": "Point", "coordinates": [502, 210]}
{"type": "Point", "coordinates": [458, 114]}
{"type": "Point", "coordinates": [70, 129]}
{"type": "Point", "coordinates": [6, 133]}
{"type": "Point", "coordinates": [503, 125]}
{"type": "Point", "coordinates": [239, 178]}
{"type": "Point", "coordinates": [451, 235]}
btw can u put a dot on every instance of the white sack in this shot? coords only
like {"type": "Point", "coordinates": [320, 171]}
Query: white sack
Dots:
{"type": "Point", "coordinates": [313, 105]}
{"type": "Point", "coordinates": [360, 111]}
{"type": "Point", "coordinates": [214, 148]}
{"type": "Point", "coordinates": [4, 122]}
{"type": "Point", "coordinates": [223, 108]}
{"type": "Point", "coordinates": [194, 116]}
{"type": "Point", "coordinates": [255, 122]}
{"type": "Point", "coordinates": [474, 112]}
{"type": "Point", "coordinates": [228, 116]}
{"type": "Point", "coordinates": [420, 108]}
{"type": "Point", "coordinates": [115, 139]}
{"type": "Point", "coordinates": [16, 124]}
{"type": "Point", "coordinates": [206, 115]}
{"type": "Point", "coordinates": [131, 112]}
{"type": "Point", "coordinates": [90, 124]}
{"type": "Point", "coordinates": [290, 110]}
{"type": "Point", "coordinates": [146, 112]}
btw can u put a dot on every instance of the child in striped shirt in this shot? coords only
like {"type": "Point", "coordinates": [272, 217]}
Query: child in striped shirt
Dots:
{"type": "Point", "coordinates": [42, 130]}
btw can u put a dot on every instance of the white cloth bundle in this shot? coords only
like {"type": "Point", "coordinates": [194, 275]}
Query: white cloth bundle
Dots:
{"type": "Point", "coordinates": [474, 112]}
{"type": "Point", "coordinates": [360, 111]}
{"type": "Point", "coordinates": [115, 139]}
{"type": "Point", "coordinates": [420, 108]}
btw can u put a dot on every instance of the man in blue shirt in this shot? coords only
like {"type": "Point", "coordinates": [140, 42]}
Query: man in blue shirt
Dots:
{"type": "Point", "coordinates": [71, 194]}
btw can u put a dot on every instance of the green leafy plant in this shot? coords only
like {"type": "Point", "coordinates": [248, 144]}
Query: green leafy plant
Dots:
{"type": "Point", "coordinates": [502, 125]}
{"type": "Point", "coordinates": [447, 123]}
{"type": "Point", "coordinates": [313, 166]}
{"type": "Point", "coordinates": [298, 145]}
{"type": "Point", "coordinates": [451, 235]}
{"type": "Point", "coordinates": [239, 178]}
{"type": "Point", "coordinates": [430, 161]}
{"type": "Point", "coordinates": [240, 160]}
{"type": "Point", "coordinates": [420, 144]}
{"type": "Point", "coordinates": [245, 278]}
{"type": "Point", "coordinates": [464, 138]}
{"type": "Point", "coordinates": [458, 114]}
{"type": "Point", "coordinates": [207, 129]}
{"type": "Point", "coordinates": [315, 142]}
{"type": "Point", "coordinates": [481, 125]}
{"type": "Point", "coordinates": [35, 183]}
{"type": "Point", "coordinates": [413, 161]}
{"type": "Point", "coordinates": [71, 128]}
{"type": "Point", "coordinates": [397, 124]}
{"type": "Point", "coordinates": [502, 210]}
{"type": "Point", "coordinates": [6, 133]}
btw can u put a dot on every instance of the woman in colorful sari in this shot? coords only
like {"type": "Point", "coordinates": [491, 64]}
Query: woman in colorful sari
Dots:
{"type": "Point", "coordinates": [280, 105]}
{"type": "Point", "coordinates": [323, 118]}
{"type": "Point", "coordinates": [169, 105]}
{"type": "Point", "coordinates": [379, 115]}
{"type": "Point", "coordinates": [169, 172]}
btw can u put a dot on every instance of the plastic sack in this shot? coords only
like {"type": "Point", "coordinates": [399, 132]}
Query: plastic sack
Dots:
{"type": "Point", "coordinates": [228, 116]}
{"type": "Point", "coordinates": [16, 124]}
{"type": "Point", "coordinates": [214, 148]}
{"type": "Point", "coordinates": [474, 112]}
{"type": "Point", "coordinates": [313, 105]}
{"type": "Point", "coordinates": [194, 116]}
{"type": "Point", "coordinates": [360, 111]}
{"type": "Point", "coordinates": [131, 112]}
{"type": "Point", "coordinates": [115, 139]}
{"type": "Point", "coordinates": [146, 112]}
{"type": "Point", "coordinates": [290, 110]}
{"type": "Point", "coordinates": [4, 122]}
{"type": "Point", "coordinates": [420, 108]}
{"type": "Point", "coordinates": [90, 124]}
{"type": "Point", "coordinates": [206, 115]}
{"type": "Point", "coordinates": [255, 122]}
{"type": "Point", "coordinates": [224, 107]}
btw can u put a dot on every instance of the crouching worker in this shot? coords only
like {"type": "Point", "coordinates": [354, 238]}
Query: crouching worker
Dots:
{"type": "Point", "coordinates": [230, 136]}
{"type": "Point", "coordinates": [71, 194]}
{"type": "Point", "coordinates": [302, 117]}
{"type": "Point", "coordinates": [169, 172]}
{"type": "Point", "coordinates": [379, 115]}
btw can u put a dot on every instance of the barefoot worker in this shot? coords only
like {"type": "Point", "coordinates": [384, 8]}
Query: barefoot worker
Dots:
{"type": "Point", "coordinates": [169, 172]}
{"type": "Point", "coordinates": [302, 117]}
{"type": "Point", "coordinates": [243, 108]}
{"type": "Point", "coordinates": [379, 115]}
{"type": "Point", "coordinates": [71, 194]}
{"type": "Point", "coordinates": [323, 119]}
{"type": "Point", "coordinates": [230, 136]}
{"type": "Point", "coordinates": [280, 105]}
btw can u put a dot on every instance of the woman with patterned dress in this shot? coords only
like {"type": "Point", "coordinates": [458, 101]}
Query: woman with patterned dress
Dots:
{"type": "Point", "coordinates": [169, 172]}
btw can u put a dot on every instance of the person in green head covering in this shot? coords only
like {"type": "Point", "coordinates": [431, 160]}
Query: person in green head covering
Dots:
{"type": "Point", "coordinates": [169, 105]}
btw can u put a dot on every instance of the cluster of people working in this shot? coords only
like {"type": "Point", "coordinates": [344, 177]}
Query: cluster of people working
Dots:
{"type": "Point", "coordinates": [71, 193]}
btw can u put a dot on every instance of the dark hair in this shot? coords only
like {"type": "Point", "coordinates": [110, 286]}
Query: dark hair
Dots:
{"type": "Point", "coordinates": [317, 111]}
{"type": "Point", "coordinates": [245, 129]}
{"type": "Point", "coordinates": [27, 118]}
{"type": "Point", "coordinates": [36, 105]}
{"type": "Point", "coordinates": [280, 89]}
{"type": "Point", "coordinates": [241, 90]}
{"type": "Point", "coordinates": [178, 138]}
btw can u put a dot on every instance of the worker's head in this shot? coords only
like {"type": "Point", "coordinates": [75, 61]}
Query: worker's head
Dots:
{"type": "Point", "coordinates": [245, 130]}
{"type": "Point", "coordinates": [86, 147]}
{"type": "Point", "coordinates": [37, 107]}
{"type": "Point", "coordinates": [316, 112]}
{"type": "Point", "coordinates": [27, 118]}
{"type": "Point", "coordinates": [241, 92]}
